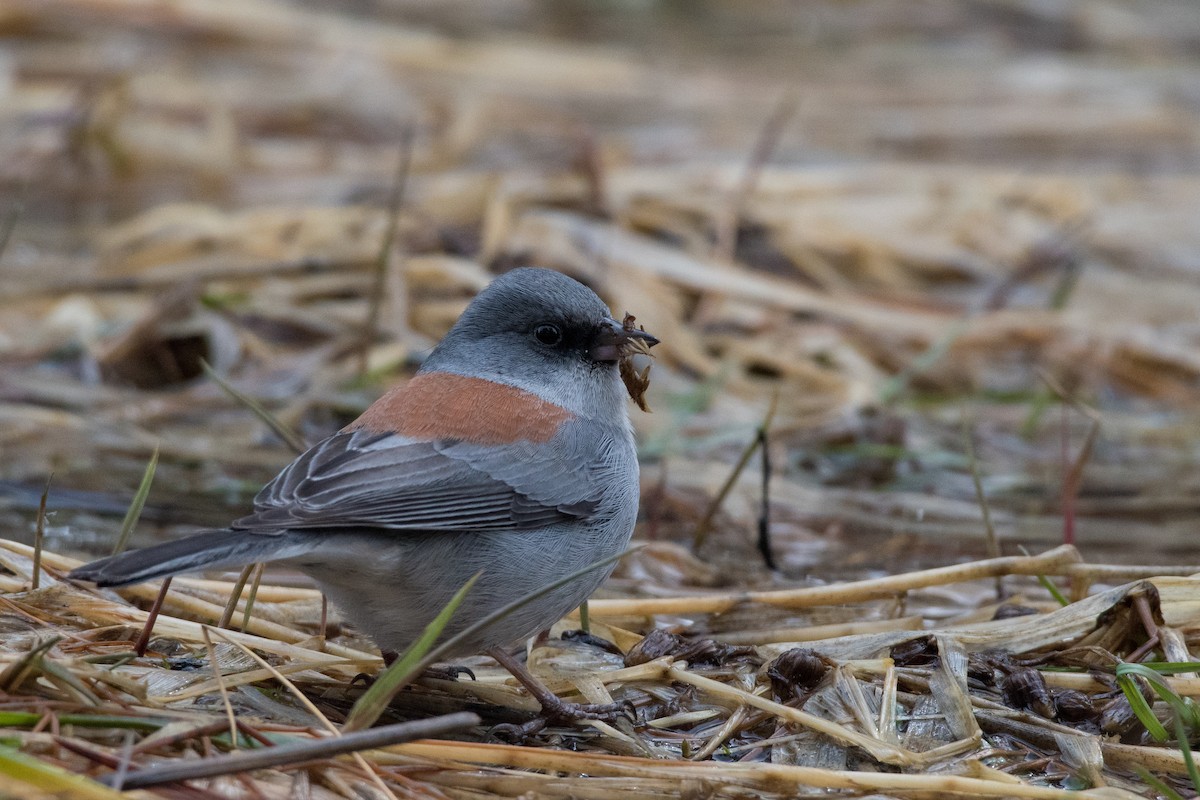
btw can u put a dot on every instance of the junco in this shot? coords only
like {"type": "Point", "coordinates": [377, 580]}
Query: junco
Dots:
{"type": "Point", "coordinates": [510, 451]}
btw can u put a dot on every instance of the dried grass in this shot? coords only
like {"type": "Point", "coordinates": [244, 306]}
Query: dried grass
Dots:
{"type": "Point", "coordinates": [1002, 231]}
{"type": "Point", "coordinates": [66, 658]}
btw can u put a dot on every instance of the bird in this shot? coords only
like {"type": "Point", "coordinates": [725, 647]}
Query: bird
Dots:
{"type": "Point", "coordinates": [509, 453]}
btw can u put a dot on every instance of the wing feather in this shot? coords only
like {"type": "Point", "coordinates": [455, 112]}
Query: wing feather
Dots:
{"type": "Point", "coordinates": [365, 479]}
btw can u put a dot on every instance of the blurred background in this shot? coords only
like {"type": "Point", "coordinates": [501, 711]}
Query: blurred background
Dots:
{"type": "Point", "coordinates": [943, 241]}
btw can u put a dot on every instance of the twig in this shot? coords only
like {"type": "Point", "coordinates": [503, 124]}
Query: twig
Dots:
{"type": "Point", "coordinates": [258, 573]}
{"type": "Point", "coordinates": [1067, 397]}
{"type": "Point", "coordinates": [15, 673]}
{"type": "Point", "coordinates": [251, 732]}
{"type": "Point", "coordinates": [764, 516]}
{"type": "Point", "coordinates": [151, 743]}
{"type": "Point", "coordinates": [9, 223]}
{"type": "Point", "coordinates": [1067, 499]}
{"type": "Point", "coordinates": [1052, 562]}
{"type": "Point", "coordinates": [727, 730]}
{"type": "Point", "coordinates": [656, 500]}
{"type": "Point", "coordinates": [220, 679]}
{"type": "Point", "coordinates": [1145, 614]}
{"type": "Point", "coordinates": [39, 535]}
{"type": "Point", "coordinates": [124, 761]}
{"type": "Point", "coordinates": [749, 777]}
{"type": "Point", "coordinates": [706, 521]}
{"type": "Point", "coordinates": [151, 618]}
{"type": "Point", "coordinates": [896, 385]}
{"type": "Point", "coordinates": [590, 163]}
{"type": "Point", "coordinates": [311, 708]}
{"type": "Point", "coordinates": [399, 183]}
{"type": "Point", "coordinates": [1074, 474]}
{"type": "Point", "coordinates": [1073, 481]}
{"type": "Point", "coordinates": [87, 751]}
{"type": "Point", "coordinates": [993, 544]}
{"type": "Point", "coordinates": [292, 439]}
{"type": "Point", "coordinates": [764, 146]}
{"type": "Point", "coordinates": [265, 758]}
{"type": "Point", "coordinates": [234, 595]}
{"type": "Point", "coordinates": [1058, 252]}
{"type": "Point", "coordinates": [281, 678]}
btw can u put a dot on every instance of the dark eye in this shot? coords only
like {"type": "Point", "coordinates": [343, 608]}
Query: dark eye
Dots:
{"type": "Point", "coordinates": [547, 334]}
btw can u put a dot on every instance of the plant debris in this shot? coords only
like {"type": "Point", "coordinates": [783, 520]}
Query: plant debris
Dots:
{"type": "Point", "coordinates": [991, 704]}
{"type": "Point", "coordinates": [946, 292]}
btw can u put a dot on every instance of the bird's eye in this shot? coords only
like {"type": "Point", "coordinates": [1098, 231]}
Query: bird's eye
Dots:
{"type": "Point", "coordinates": [548, 334]}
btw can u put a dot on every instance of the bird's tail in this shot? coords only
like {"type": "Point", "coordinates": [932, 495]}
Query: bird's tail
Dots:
{"type": "Point", "coordinates": [211, 549]}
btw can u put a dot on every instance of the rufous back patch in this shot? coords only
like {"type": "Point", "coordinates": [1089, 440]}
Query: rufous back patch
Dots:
{"type": "Point", "coordinates": [441, 405]}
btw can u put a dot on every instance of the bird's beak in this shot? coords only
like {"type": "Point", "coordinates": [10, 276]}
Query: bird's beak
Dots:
{"type": "Point", "coordinates": [615, 340]}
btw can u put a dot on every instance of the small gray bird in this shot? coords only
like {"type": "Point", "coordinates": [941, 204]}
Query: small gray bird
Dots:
{"type": "Point", "coordinates": [509, 452]}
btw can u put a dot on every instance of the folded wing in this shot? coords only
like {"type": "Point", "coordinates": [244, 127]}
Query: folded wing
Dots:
{"type": "Point", "coordinates": [366, 479]}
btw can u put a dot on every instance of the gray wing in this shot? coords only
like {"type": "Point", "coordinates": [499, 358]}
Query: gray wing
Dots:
{"type": "Point", "coordinates": [364, 479]}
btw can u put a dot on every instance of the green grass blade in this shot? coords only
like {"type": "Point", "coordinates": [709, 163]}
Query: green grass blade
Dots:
{"type": "Point", "coordinates": [1184, 712]}
{"type": "Point", "coordinates": [375, 700]}
{"type": "Point", "coordinates": [139, 502]}
{"type": "Point", "coordinates": [24, 719]}
{"type": "Point", "coordinates": [1171, 667]}
{"type": "Point", "coordinates": [1053, 590]}
{"type": "Point", "coordinates": [1047, 584]}
{"type": "Point", "coordinates": [289, 436]}
{"type": "Point", "coordinates": [1157, 784]}
{"type": "Point", "coordinates": [894, 387]}
{"type": "Point", "coordinates": [49, 779]}
{"type": "Point", "coordinates": [396, 684]}
{"type": "Point", "coordinates": [1133, 693]}
{"type": "Point", "coordinates": [1186, 749]}
{"type": "Point", "coordinates": [520, 602]}
{"type": "Point", "coordinates": [1184, 707]}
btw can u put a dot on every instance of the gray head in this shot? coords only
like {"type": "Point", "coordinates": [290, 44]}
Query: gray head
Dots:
{"type": "Point", "coordinates": [543, 332]}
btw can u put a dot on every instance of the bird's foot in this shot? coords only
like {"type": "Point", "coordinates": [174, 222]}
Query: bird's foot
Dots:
{"type": "Point", "coordinates": [559, 711]}
{"type": "Point", "coordinates": [448, 672]}
{"type": "Point", "coordinates": [554, 708]}
{"type": "Point", "coordinates": [441, 672]}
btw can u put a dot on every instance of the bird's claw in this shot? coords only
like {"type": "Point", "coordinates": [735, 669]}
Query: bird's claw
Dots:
{"type": "Point", "coordinates": [514, 733]}
{"type": "Point", "coordinates": [563, 712]}
{"type": "Point", "coordinates": [448, 672]}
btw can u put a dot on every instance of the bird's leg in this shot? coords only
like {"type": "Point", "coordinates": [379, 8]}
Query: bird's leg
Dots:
{"type": "Point", "coordinates": [554, 708]}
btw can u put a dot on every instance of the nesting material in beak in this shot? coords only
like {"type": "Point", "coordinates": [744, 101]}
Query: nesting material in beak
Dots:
{"type": "Point", "coordinates": [637, 342]}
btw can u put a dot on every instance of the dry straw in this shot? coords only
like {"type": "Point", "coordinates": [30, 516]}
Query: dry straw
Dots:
{"type": "Point", "coordinates": [714, 706]}
{"type": "Point", "coordinates": [889, 251]}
